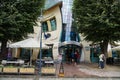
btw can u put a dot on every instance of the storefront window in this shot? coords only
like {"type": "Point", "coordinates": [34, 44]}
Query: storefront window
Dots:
{"type": "Point", "coordinates": [46, 53]}
{"type": "Point", "coordinates": [25, 54]}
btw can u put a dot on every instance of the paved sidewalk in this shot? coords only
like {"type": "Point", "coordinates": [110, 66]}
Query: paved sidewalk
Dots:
{"type": "Point", "coordinates": [72, 71]}
{"type": "Point", "coordinates": [92, 69]}
{"type": "Point", "coordinates": [83, 70]}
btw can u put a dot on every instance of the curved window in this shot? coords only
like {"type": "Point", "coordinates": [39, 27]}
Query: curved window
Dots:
{"type": "Point", "coordinates": [45, 26]}
{"type": "Point", "coordinates": [49, 25]}
{"type": "Point", "coordinates": [63, 33]}
{"type": "Point", "coordinates": [63, 36]}
{"type": "Point", "coordinates": [53, 24]}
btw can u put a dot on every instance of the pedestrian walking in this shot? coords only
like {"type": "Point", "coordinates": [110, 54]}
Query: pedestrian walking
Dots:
{"type": "Point", "coordinates": [101, 60]}
{"type": "Point", "coordinates": [72, 57]}
{"type": "Point", "coordinates": [60, 58]}
{"type": "Point", "coordinates": [77, 57]}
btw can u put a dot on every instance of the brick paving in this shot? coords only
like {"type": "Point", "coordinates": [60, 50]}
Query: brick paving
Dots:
{"type": "Point", "coordinates": [89, 70]}
{"type": "Point", "coordinates": [108, 71]}
{"type": "Point", "coordinates": [72, 71]}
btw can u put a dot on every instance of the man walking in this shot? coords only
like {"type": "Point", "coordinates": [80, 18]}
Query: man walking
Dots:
{"type": "Point", "coordinates": [101, 60]}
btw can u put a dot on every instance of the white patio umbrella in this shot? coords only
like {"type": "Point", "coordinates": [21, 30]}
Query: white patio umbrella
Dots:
{"type": "Point", "coordinates": [28, 43]}
{"type": "Point", "coordinates": [116, 48]}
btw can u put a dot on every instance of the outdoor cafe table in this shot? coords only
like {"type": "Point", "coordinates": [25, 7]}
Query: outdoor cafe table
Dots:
{"type": "Point", "coordinates": [4, 62]}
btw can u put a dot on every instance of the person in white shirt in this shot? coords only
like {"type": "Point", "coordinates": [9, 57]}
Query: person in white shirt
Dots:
{"type": "Point", "coordinates": [101, 61]}
{"type": "Point", "coordinates": [60, 58]}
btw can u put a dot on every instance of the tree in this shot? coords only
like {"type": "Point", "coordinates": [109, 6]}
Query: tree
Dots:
{"type": "Point", "coordinates": [17, 18]}
{"type": "Point", "coordinates": [98, 20]}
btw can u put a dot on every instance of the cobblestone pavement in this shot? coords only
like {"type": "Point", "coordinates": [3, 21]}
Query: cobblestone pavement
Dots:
{"type": "Point", "coordinates": [71, 70]}
{"type": "Point", "coordinates": [91, 70]}
{"type": "Point", "coordinates": [60, 79]}
{"type": "Point", "coordinates": [88, 70]}
{"type": "Point", "coordinates": [108, 71]}
{"type": "Point", "coordinates": [83, 71]}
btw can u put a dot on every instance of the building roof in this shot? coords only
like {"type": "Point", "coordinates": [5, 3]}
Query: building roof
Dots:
{"type": "Point", "coordinates": [50, 4]}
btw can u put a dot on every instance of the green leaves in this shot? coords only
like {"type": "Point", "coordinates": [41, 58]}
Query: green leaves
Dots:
{"type": "Point", "coordinates": [98, 20]}
{"type": "Point", "coordinates": [17, 17]}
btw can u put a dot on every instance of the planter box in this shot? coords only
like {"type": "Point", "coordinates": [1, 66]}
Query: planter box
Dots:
{"type": "Point", "coordinates": [0, 69]}
{"type": "Point", "coordinates": [48, 70]}
{"type": "Point", "coordinates": [26, 70]}
{"type": "Point", "coordinates": [10, 70]}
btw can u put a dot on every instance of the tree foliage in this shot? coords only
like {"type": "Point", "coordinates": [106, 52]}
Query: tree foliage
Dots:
{"type": "Point", "coordinates": [17, 18]}
{"type": "Point", "coordinates": [98, 20]}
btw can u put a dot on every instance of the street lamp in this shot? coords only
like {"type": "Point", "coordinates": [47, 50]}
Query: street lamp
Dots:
{"type": "Point", "coordinates": [40, 56]}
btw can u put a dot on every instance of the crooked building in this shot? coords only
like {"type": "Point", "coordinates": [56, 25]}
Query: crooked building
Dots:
{"type": "Point", "coordinates": [58, 23]}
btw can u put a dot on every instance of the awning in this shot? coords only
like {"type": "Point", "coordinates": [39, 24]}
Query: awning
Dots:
{"type": "Point", "coordinates": [28, 43]}
{"type": "Point", "coordinates": [69, 42]}
{"type": "Point", "coordinates": [116, 48]}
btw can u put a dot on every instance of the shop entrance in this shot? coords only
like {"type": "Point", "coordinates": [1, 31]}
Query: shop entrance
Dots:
{"type": "Point", "coordinates": [94, 53]}
{"type": "Point", "coordinates": [67, 51]}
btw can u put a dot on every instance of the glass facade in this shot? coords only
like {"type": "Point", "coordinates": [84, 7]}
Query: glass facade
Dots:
{"type": "Point", "coordinates": [67, 17]}
{"type": "Point", "coordinates": [74, 36]}
{"type": "Point", "coordinates": [69, 34]}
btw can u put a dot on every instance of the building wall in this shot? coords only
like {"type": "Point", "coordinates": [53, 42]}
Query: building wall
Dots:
{"type": "Point", "coordinates": [85, 50]}
{"type": "Point", "coordinates": [55, 11]}
{"type": "Point", "coordinates": [35, 53]}
{"type": "Point", "coordinates": [55, 35]}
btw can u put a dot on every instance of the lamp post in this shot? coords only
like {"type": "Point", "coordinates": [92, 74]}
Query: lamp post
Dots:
{"type": "Point", "coordinates": [40, 56]}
